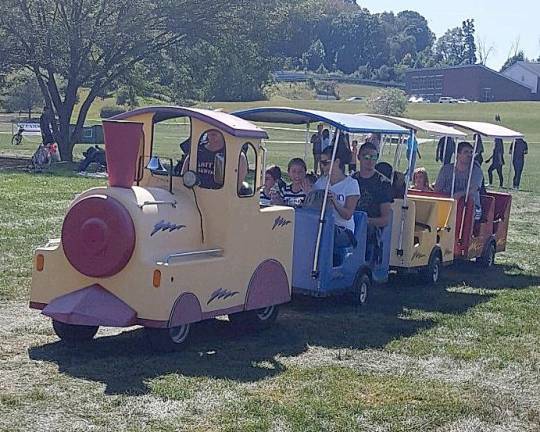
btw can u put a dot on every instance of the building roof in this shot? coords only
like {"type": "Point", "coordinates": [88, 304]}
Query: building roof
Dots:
{"type": "Point", "coordinates": [530, 66]}
{"type": "Point", "coordinates": [232, 125]}
{"type": "Point", "coordinates": [346, 122]}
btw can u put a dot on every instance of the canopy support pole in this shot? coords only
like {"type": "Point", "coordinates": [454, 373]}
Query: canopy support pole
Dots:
{"type": "Point", "coordinates": [315, 270]}
{"type": "Point", "coordinates": [306, 142]}
{"type": "Point", "coordinates": [444, 150]}
{"type": "Point", "coordinates": [405, 206]}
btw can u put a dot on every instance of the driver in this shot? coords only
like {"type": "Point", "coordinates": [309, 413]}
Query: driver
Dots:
{"type": "Point", "coordinates": [211, 146]}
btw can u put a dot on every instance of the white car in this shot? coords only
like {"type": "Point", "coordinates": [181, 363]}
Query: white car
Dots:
{"type": "Point", "coordinates": [446, 99]}
{"type": "Point", "coordinates": [355, 99]}
{"type": "Point", "coordinates": [463, 101]}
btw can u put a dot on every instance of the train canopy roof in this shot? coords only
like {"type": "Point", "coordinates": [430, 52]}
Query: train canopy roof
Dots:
{"type": "Point", "coordinates": [430, 128]}
{"type": "Point", "coordinates": [346, 122]}
{"type": "Point", "coordinates": [487, 130]}
{"type": "Point", "coordinates": [230, 124]}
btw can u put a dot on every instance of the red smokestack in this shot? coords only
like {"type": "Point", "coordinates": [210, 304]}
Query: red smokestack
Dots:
{"type": "Point", "coordinates": [123, 140]}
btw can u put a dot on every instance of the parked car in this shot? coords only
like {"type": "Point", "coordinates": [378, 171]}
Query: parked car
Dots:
{"type": "Point", "coordinates": [446, 99]}
{"type": "Point", "coordinates": [463, 101]}
{"type": "Point", "coordinates": [355, 99]}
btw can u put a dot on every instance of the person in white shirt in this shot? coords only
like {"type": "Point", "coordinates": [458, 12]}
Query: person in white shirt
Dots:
{"type": "Point", "coordinates": [343, 196]}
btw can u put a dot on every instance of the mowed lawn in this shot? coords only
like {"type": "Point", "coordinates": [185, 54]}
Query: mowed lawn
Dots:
{"type": "Point", "coordinates": [464, 356]}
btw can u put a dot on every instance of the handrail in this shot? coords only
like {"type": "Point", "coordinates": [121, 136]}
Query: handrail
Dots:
{"type": "Point", "coordinates": [147, 203]}
{"type": "Point", "coordinates": [169, 257]}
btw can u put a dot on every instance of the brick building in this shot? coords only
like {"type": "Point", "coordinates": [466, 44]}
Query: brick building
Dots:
{"type": "Point", "coordinates": [473, 82]}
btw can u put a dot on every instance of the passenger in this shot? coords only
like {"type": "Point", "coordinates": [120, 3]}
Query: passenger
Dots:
{"type": "Point", "coordinates": [396, 179]}
{"type": "Point", "coordinates": [375, 191]}
{"type": "Point", "coordinates": [272, 185]}
{"type": "Point", "coordinates": [421, 180]}
{"type": "Point", "coordinates": [343, 195]}
{"type": "Point", "coordinates": [295, 193]}
{"type": "Point", "coordinates": [464, 158]}
{"type": "Point", "coordinates": [344, 152]}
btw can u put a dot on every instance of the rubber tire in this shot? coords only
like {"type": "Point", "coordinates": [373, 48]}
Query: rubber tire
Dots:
{"type": "Point", "coordinates": [487, 260]}
{"type": "Point", "coordinates": [16, 139]}
{"type": "Point", "coordinates": [360, 289]}
{"type": "Point", "coordinates": [255, 320]}
{"type": "Point", "coordinates": [432, 273]}
{"type": "Point", "coordinates": [163, 340]}
{"type": "Point", "coordinates": [74, 334]}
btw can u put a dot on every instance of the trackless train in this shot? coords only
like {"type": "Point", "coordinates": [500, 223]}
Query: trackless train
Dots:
{"type": "Point", "coordinates": [164, 247]}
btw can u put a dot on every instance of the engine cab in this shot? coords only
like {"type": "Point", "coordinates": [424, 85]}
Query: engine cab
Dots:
{"type": "Point", "coordinates": [167, 244]}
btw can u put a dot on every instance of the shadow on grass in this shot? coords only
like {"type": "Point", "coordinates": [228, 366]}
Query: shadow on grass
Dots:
{"type": "Point", "coordinates": [125, 364]}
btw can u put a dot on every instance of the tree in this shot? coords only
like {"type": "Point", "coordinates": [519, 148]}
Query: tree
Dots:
{"type": "Point", "coordinates": [389, 101]}
{"type": "Point", "coordinates": [314, 56]}
{"type": "Point", "coordinates": [469, 42]}
{"type": "Point", "coordinates": [450, 49]}
{"type": "Point", "coordinates": [484, 51]}
{"type": "Point", "coordinates": [93, 44]}
{"type": "Point", "coordinates": [520, 56]}
{"type": "Point", "coordinates": [22, 93]}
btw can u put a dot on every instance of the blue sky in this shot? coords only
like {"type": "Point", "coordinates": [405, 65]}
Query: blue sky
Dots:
{"type": "Point", "coordinates": [498, 23]}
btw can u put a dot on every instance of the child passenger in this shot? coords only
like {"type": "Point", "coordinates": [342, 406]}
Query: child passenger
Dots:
{"type": "Point", "coordinates": [272, 185]}
{"type": "Point", "coordinates": [421, 180]}
{"type": "Point", "coordinates": [294, 194]}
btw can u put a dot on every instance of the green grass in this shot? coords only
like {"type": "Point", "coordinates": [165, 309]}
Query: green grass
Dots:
{"type": "Point", "coordinates": [462, 357]}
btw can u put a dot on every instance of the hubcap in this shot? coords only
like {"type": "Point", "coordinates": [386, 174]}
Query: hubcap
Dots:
{"type": "Point", "coordinates": [264, 314]}
{"type": "Point", "coordinates": [363, 292]}
{"type": "Point", "coordinates": [179, 334]}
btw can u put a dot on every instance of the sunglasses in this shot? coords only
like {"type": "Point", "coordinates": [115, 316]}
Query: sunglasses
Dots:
{"type": "Point", "coordinates": [369, 157]}
{"type": "Point", "coordinates": [325, 162]}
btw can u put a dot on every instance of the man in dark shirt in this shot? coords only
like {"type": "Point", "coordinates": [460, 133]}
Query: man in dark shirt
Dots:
{"type": "Point", "coordinates": [375, 192]}
{"type": "Point", "coordinates": [519, 150]}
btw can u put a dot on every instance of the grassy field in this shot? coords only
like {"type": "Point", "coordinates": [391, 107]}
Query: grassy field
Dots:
{"type": "Point", "coordinates": [462, 357]}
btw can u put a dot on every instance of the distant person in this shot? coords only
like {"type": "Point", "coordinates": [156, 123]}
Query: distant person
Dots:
{"type": "Point", "coordinates": [444, 152]}
{"type": "Point", "coordinates": [464, 159]}
{"type": "Point", "coordinates": [354, 156]}
{"type": "Point", "coordinates": [497, 162]}
{"type": "Point", "coordinates": [46, 124]}
{"type": "Point", "coordinates": [326, 139]}
{"type": "Point", "coordinates": [316, 145]}
{"type": "Point", "coordinates": [375, 139]}
{"type": "Point", "coordinates": [478, 156]}
{"type": "Point", "coordinates": [343, 152]}
{"type": "Point", "coordinates": [518, 160]}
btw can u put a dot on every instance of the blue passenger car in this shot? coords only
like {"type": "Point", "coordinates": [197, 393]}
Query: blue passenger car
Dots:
{"type": "Point", "coordinates": [318, 269]}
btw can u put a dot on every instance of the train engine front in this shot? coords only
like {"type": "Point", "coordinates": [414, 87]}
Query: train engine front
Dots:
{"type": "Point", "coordinates": [147, 250]}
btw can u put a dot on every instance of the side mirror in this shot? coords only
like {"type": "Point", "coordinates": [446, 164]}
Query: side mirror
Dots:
{"type": "Point", "coordinates": [219, 169]}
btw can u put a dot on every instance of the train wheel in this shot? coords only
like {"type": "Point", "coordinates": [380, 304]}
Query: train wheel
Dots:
{"type": "Point", "coordinates": [488, 256]}
{"type": "Point", "coordinates": [258, 319]}
{"type": "Point", "coordinates": [360, 289]}
{"type": "Point", "coordinates": [432, 272]}
{"type": "Point", "coordinates": [72, 333]}
{"type": "Point", "coordinates": [168, 339]}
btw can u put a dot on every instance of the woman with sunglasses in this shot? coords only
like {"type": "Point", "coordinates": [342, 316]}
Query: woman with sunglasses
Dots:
{"type": "Point", "coordinates": [375, 191]}
{"type": "Point", "coordinates": [343, 196]}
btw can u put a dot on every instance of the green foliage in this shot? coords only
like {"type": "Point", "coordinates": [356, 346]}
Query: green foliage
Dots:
{"type": "Point", "coordinates": [21, 93]}
{"type": "Point", "coordinates": [520, 56]}
{"type": "Point", "coordinates": [111, 110]}
{"type": "Point", "coordinates": [388, 101]}
{"type": "Point", "coordinates": [468, 41]}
